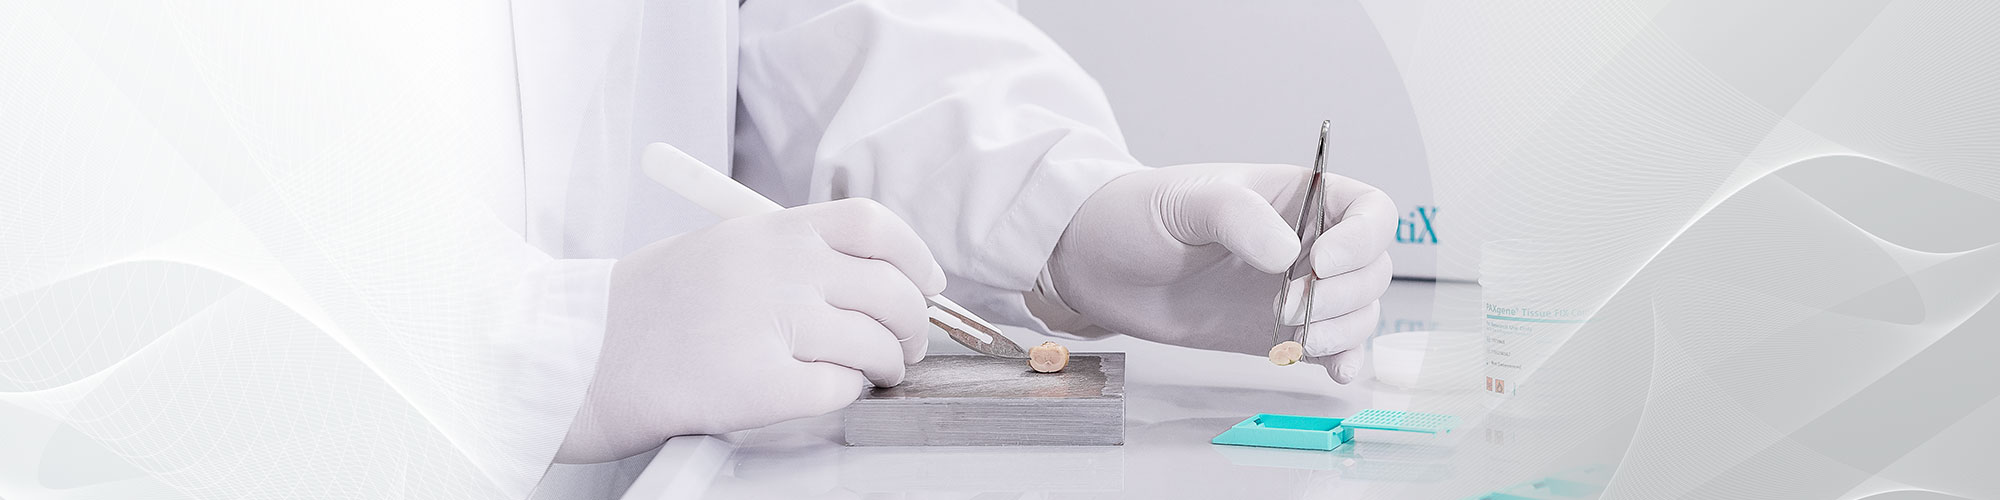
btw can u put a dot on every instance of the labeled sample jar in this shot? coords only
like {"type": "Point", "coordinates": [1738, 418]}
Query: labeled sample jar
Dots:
{"type": "Point", "coordinates": [1531, 308]}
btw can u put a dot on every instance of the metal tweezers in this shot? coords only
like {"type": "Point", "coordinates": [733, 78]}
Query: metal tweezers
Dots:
{"type": "Point", "coordinates": [1312, 221]}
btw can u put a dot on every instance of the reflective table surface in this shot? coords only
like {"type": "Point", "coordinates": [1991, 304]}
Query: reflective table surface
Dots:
{"type": "Point", "coordinates": [1178, 399]}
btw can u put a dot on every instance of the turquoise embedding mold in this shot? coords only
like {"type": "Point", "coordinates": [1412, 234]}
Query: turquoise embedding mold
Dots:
{"type": "Point", "coordinates": [1326, 433]}
{"type": "Point", "coordinates": [1287, 431]}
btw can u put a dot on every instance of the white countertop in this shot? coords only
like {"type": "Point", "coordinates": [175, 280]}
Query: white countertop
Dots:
{"type": "Point", "coordinates": [1178, 399]}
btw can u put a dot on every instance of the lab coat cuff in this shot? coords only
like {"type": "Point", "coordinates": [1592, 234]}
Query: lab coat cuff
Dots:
{"type": "Point", "coordinates": [1019, 246]}
{"type": "Point", "coordinates": [552, 350]}
{"type": "Point", "coordinates": [1057, 318]}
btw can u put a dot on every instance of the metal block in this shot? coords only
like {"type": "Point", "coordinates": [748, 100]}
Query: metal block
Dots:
{"type": "Point", "coordinates": [973, 400]}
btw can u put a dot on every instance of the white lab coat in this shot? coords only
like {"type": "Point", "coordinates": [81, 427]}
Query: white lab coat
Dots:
{"type": "Point", "coordinates": [376, 235]}
{"type": "Point", "coordinates": [958, 115]}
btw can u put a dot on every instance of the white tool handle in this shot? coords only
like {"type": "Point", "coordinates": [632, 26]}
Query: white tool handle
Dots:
{"type": "Point", "coordinates": [694, 180]}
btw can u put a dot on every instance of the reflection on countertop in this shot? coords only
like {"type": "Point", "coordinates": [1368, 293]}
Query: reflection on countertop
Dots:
{"type": "Point", "coordinates": [1178, 400]}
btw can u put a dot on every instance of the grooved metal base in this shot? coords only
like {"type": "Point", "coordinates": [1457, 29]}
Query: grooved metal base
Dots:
{"type": "Point", "coordinates": [973, 400]}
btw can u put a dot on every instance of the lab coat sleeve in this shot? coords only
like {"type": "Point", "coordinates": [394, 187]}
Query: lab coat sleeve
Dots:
{"type": "Point", "coordinates": [550, 348]}
{"type": "Point", "coordinates": [959, 115]}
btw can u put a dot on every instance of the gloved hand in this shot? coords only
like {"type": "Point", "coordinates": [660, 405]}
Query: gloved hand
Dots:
{"type": "Point", "coordinates": [1193, 255]}
{"type": "Point", "coordinates": [754, 321]}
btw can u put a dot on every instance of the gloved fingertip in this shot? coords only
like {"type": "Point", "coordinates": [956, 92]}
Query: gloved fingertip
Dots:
{"type": "Point", "coordinates": [936, 284]}
{"type": "Point", "coordinates": [1276, 255]}
{"type": "Point", "coordinates": [887, 380]}
{"type": "Point", "coordinates": [1344, 367]}
{"type": "Point", "coordinates": [832, 388]}
{"type": "Point", "coordinates": [1330, 260]}
{"type": "Point", "coordinates": [914, 349]}
{"type": "Point", "coordinates": [1343, 373]}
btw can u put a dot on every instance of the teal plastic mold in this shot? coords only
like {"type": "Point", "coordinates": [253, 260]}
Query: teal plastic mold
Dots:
{"type": "Point", "coordinates": [1326, 433]}
{"type": "Point", "coordinates": [1287, 431]}
{"type": "Point", "coordinates": [1392, 420]}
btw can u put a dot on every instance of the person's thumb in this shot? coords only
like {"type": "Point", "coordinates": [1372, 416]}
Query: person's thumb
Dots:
{"type": "Point", "coordinates": [1239, 219]}
{"type": "Point", "coordinates": [1344, 366]}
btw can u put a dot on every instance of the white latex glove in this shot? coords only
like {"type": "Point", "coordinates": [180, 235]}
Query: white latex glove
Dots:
{"type": "Point", "coordinates": [754, 321]}
{"type": "Point", "coordinates": [1193, 255]}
